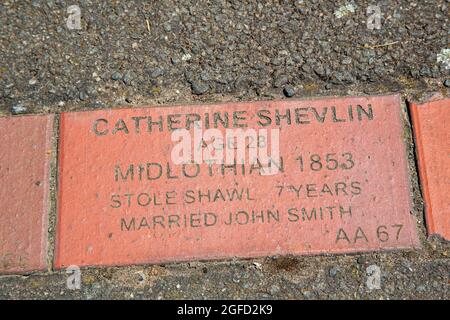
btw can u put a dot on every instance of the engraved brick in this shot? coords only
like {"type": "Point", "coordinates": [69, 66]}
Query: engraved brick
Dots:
{"type": "Point", "coordinates": [341, 186]}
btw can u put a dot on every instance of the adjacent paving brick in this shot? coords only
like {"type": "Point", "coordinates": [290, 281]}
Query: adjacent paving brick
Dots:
{"type": "Point", "coordinates": [342, 184]}
{"type": "Point", "coordinates": [24, 172]}
{"type": "Point", "coordinates": [431, 122]}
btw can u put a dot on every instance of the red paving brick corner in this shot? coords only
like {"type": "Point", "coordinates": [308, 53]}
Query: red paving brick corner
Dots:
{"type": "Point", "coordinates": [25, 153]}
{"type": "Point", "coordinates": [342, 184]}
{"type": "Point", "coordinates": [431, 124]}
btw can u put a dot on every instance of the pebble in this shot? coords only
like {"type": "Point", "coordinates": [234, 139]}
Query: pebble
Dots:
{"type": "Point", "coordinates": [167, 27]}
{"type": "Point", "coordinates": [186, 57]}
{"type": "Point", "coordinates": [320, 71]}
{"type": "Point", "coordinates": [306, 68]}
{"type": "Point", "coordinates": [274, 290]}
{"type": "Point", "coordinates": [199, 87]}
{"type": "Point", "coordinates": [257, 265]}
{"type": "Point", "coordinates": [127, 78]}
{"type": "Point", "coordinates": [280, 81]}
{"type": "Point", "coordinates": [175, 60]}
{"type": "Point", "coordinates": [18, 109]}
{"type": "Point", "coordinates": [157, 73]}
{"type": "Point", "coordinates": [447, 83]}
{"type": "Point", "coordinates": [83, 95]}
{"type": "Point", "coordinates": [308, 294]}
{"type": "Point", "coordinates": [334, 271]}
{"type": "Point", "coordinates": [204, 76]}
{"type": "Point", "coordinates": [116, 76]}
{"type": "Point", "coordinates": [421, 288]}
{"type": "Point", "coordinates": [425, 70]}
{"type": "Point", "coordinates": [347, 60]}
{"type": "Point", "coordinates": [289, 91]}
{"type": "Point", "coordinates": [361, 260]}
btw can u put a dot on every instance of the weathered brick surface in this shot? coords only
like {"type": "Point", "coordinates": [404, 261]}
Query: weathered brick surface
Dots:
{"type": "Point", "coordinates": [431, 123]}
{"type": "Point", "coordinates": [355, 198]}
{"type": "Point", "coordinates": [25, 151]}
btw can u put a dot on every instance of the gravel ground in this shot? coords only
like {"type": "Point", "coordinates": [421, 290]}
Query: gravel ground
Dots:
{"type": "Point", "coordinates": [130, 53]}
{"type": "Point", "coordinates": [210, 50]}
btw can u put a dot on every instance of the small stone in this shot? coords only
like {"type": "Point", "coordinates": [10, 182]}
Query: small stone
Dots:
{"type": "Point", "coordinates": [186, 57]}
{"type": "Point", "coordinates": [204, 76]}
{"type": "Point", "coordinates": [32, 81]}
{"type": "Point", "coordinates": [361, 260]}
{"type": "Point", "coordinates": [288, 91]}
{"type": "Point", "coordinates": [297, 58]}
{"type": "Point", "coordinates": [157, 73]}
{"type": "Point", "coordinates": [167, 27]}
{"type": "Point", "coordinates": [447, 83]}
{"type": "Point", "coordinates": [308, 294]}
{"type": "Point", "coordinates": [334, 271]}
{"type": "Point", "coordinates": [18, 109]}
{"type": "Point", "coordinates": [199, 87]}
{"type": "Point", "coordinates": [421, 288]}
{"type": "Point", "coordinates": [274, 290]}
{"type": "Point", "coordinates": [347, 60]}
{"type": "Point", "coordinates": [83, 95]}
{"type": "Point", "coordinates": [90, 90]}
{"type": "Point", "coordinates": [276, 61]}
{"type": "Point", "coordinates": [175, 60]}
{"type": "Point", "coordinates": [280, 81]}
{"type": "Point", "coordinates": [127, 78]}
{"type": "Point", "coordinates": [257, 265]}
{"type": "Point", "coordinates": [425, 70]}
{"type": "Point", "coordinates": [320, 71]}
{"type": "Point", "coordinates": [96, 76]}
{"type": "Point", "coordinates": [306, 68]}
{"type": "Point", "coordinates": [116, 76]}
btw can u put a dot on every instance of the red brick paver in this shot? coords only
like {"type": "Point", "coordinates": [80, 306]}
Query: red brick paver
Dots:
{"type": "Point", "coordinates": [24, 171]}
{"type": "Point", "coordinates": [342, 184]}
{"type": "Point", "coordinates": [431, 122]}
